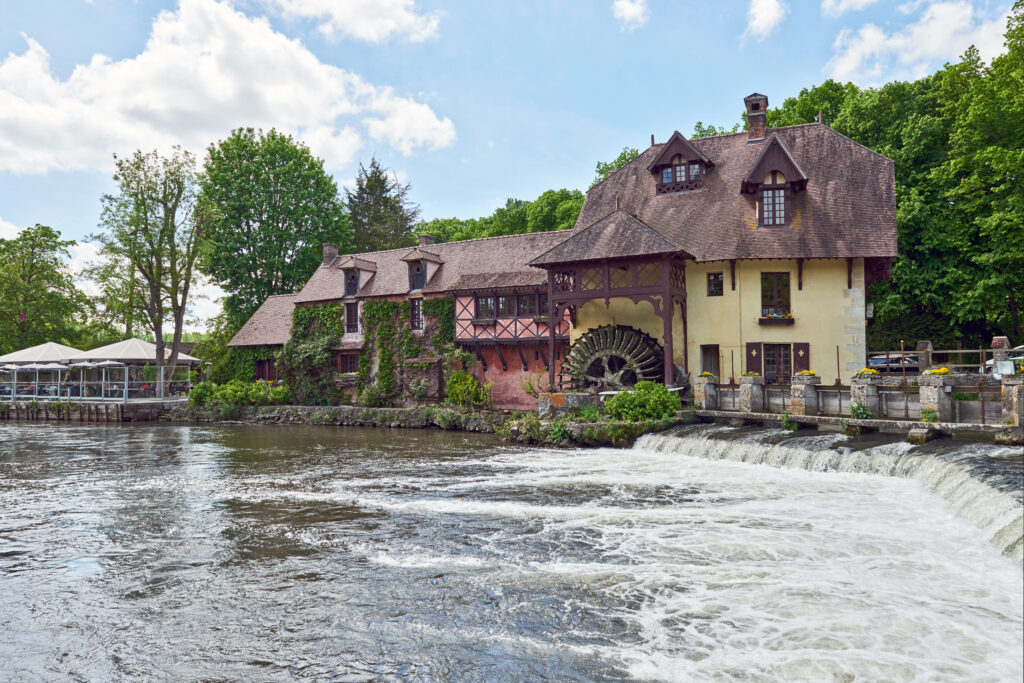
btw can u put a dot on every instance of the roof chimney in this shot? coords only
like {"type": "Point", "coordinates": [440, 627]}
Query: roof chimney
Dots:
{"type": "Point", "coordinates": [330, 253]}
{"type": "Point", "coordinates": [821, 116]}
{"type": "Point", "coordinates": [652, 139]}
{"type": "Point", "coordinates": [757, 108]}
{"type": "Point", "coordinates": [426, 239]}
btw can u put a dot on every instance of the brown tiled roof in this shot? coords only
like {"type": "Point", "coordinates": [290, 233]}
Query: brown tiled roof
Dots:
{"type": "Point", "coordinates": [617, 235]}
{"type": "Point", "coordinates": [504, 259]}
{"type": "Point", "coordinates": [417, 254]}
{"type": "Point", "coordinates": [534, 278]}
{"type": "Point", "coordinates": [270, 325]}
{"type": "Point", "coordinates": [848, 208]}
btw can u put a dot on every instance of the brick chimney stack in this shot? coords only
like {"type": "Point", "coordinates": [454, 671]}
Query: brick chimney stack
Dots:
{"type": "Point", "coordinates": [757, 109]}
{"type": "Point", "coordinates": [426, 239]}
{"type": "Point", "coordinates": [330, 253]}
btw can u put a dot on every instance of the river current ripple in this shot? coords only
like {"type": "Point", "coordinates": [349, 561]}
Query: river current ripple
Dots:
{"type": "Point", "coordinates": [258, 553]}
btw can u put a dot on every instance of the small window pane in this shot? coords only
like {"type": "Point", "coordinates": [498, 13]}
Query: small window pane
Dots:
{"type": "Point", "coordinates": [680, 173]}
{"type": "Point", "coordinates": [485, 307]}
{"type": "Point", "coordinates": [666, 175]}
{"type": "Point", "coordinates": [543, 301]}
{"type": "Point", "coordinates": [351, 318]}
{"type": "Point", "coordinates": [694, 171]}
{"type": "Point", "coordinates": [715, 284]}
{"type": "Point", "coordinates": [774, 294]}
{"type": "Point", "coordinates": [527, 305]}
{"type": "Point", "coordinates": [506, 306]}
{"type": "Point", "coordinates": [348, 362]}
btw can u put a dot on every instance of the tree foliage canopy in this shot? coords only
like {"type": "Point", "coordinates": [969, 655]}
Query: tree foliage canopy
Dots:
{"type": "Point", "coordinates": [553, 210]}
{"type": "Point", "coordinates": [38, 298]}
{"type": "Point", "coordinates": [603, 169]}
{"type": "Point", "coordinates": [380, 212]}
{"type": "Point", "coordinates": [273, 207]}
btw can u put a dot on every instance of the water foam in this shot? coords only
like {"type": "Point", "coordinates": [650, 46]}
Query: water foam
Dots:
{"type": "Point", "coordinates": [998, 514]}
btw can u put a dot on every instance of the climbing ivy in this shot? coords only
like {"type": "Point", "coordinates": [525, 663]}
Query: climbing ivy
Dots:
{"type": "Point", "coordinates": [240, 363]}
{"type": "Point", "coordinates": [443, 311]}
{"type": "Point", "coordinates": [306, 362]}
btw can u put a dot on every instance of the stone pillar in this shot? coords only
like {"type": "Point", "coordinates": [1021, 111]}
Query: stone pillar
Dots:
{"type": "Point", "coordinates": [924, 355]}
{"type": "Point", "coordinates": [751, 394]}
{"type": "Point", "coordinates": [705, 392]}
{"type": "Point", "coordinates": [804, 394]}
{"type": "Point", "coordinates": [1013, 400]}
{"type": "Point", "coordinates": [864, 391]}
{"type": "Point", "coordinates": [1000, 348]}
{"type": "Point", "coordinates": [935, 390]}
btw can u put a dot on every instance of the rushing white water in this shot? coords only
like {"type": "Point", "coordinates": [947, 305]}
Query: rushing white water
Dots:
{"type": "Point", "coordinates": [184, 553]}
{"type": "Point", "coordinates": [997, 512]}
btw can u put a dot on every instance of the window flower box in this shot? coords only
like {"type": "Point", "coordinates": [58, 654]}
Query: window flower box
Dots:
{"type": "Point", "coordinates": [485, 322]}
{"type": "Point", "coordinates": [776, 320]}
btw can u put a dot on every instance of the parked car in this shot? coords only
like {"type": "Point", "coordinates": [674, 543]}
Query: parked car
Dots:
{"type": "Point", "coordinates": [1016, 355]}
{"type": "Point", "coordinates": [892, 362]}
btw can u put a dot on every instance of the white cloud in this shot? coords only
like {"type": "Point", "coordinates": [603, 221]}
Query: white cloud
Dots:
{"type": "Point", "coordinates": [631, 14]}
{"type": "Point", "coordinates": [834, 8]}
{"type": "Point", "coordinates": [763, 16]}
{"type": "Point", "coordinates": [8, 230]}
{"type": "Point", "coordinates": [371, 20]}
{"type": "Point", "coordinates": [205, 70]}
{"type": "Point", "coordinates": [870, 55]}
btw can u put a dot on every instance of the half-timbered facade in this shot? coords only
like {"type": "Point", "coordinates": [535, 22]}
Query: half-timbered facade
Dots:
{"type": "Point", "coordinates": [744, 252]}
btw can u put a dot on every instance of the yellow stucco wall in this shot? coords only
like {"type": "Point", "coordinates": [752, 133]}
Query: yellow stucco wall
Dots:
{"type": "Point", "coordinates": [827, 315]}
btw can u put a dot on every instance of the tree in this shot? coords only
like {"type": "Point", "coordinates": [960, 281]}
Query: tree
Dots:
{"type": "Point", "coordinates": [120, 303]}
{"type": "Point", "coordinates": [155, 224]}
{"type": "Point", "coordinates": [552, 210]}
{"type": "Point", "coordinates": [274, 206]}
{"type": "Point", "coordinates": [380, 213]}
{"type": "Point", "coordinates": [827, 98]}
{"type": "Point", "coordinates": [38, 298]}
{"type": "Point", "coordinates": [603, 169]}
{"type": "Point", "coordinates": [705, 131]}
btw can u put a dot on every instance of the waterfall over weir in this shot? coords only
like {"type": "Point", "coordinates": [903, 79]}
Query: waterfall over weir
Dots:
{"type": "Point", "coordinates": [982, 482]}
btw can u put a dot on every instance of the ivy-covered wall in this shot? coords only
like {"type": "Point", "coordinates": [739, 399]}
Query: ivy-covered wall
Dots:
{"type": "Point", "coordinates": [306, 363]}
{"type": "Point", "coordinates": [240, 363]}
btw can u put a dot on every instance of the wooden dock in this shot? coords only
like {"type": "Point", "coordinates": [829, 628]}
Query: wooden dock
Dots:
{"type": "Point", "coordinates": [84, 411]}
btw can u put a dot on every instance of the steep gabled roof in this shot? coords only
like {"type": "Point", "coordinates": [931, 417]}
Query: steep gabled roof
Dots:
{"type": "Point", "coordinates": [351, 261]}
{"type": "Point", "coordinates": [419, 254]}
{"type": "Point", "coordinates": [774, 157]}
{"type": "Point", "coordinates": [617, 235]}
{"type": "Point", "coordinates": [270, 325]}
{"type": "Point", "coordinates": [677, 144]}
{"type": "Point", "coordinates": [847, 210]}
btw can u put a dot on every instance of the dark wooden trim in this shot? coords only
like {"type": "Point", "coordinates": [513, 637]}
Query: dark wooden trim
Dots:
{"type": "Point", "coordinates": [776, 321]}
{"type": "Point", "coordinates": [522, 356]}
{"type": "Point", "coordinates": [501, 357]}
{"type": "Point", "coordinates": [732, 274]}
{"type": "Point", "coordinates": [480, 357]}
{"type": "Point", "coordinates": [800, 274]}
{"type": "Point", "coordinates": [849, 273]}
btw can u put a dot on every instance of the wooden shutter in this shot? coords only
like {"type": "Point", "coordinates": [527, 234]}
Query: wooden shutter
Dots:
{"type": "Point", "coordinates": [754, 352]}
{"type": "Point", "coordinates": [801, 356]}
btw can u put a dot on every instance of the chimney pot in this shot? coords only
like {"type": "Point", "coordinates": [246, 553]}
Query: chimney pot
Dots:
{"type": "Point", "coordinates": [652, 139]}
{"type": "Point", "coordinates": [821, 116]}
{"type": "Point", "coordinates": [426, 239]}
{"type": "Point", "coordinates": [757, 108]}
{"type": "Point", "coordinates": [330, 253]}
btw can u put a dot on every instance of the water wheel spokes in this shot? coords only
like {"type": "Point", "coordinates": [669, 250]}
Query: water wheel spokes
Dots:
{"type": "Point", "coordinates": [614, 357]}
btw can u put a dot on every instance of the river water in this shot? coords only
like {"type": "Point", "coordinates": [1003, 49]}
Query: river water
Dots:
{"type": "Point", "coordinates": [283, 553]}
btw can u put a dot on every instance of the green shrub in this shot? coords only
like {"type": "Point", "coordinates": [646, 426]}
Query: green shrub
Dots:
{"type": "Point", "coordinates": [233, 393]}
{"type": "Point", "coordinates": [645, 401]}
{"type": "Point", "coordinates": [929, 415]}
{"type": "Point", "coordinates": [372, 396]}
{"type": "Point", "coordinates": [418, 387]}
{"type": "Point", "coordinates": [445, 418]}
{"type": "Point", "coordinates": [788, 422]}
{"type": "Point", "coordinates": [201, 393]}
{"type": "Point", "coordinates": [587, 414]}
{"type": "Point", "coordinates": [558, 432]}
{"type": "Point", "coordinates": [859, 411]}
{"type": "Point", "coordinates": [963, 396]}
{"type": "Point", "coordinates": [465, 391]}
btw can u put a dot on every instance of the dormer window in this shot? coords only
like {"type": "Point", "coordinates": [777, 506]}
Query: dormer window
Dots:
{"type": "Point", "coordinates": [773, 200]}
{"type": "Point", "coordinates": [679, 166]}
{"type": "Point", "coordinates": [351, 282]}
{"type": "Point", "coordinates": [417, 275]}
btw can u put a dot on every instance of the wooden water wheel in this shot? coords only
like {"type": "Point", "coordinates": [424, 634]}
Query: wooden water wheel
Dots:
{"type": "Point", "coordinates": [613, 357]}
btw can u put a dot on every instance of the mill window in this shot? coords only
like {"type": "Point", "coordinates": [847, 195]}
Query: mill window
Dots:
{"type": "Point", "coordinates": [485, 307]}
{"type": "Point", "coordinates": [506, 307]}
{"type": "Point", "coordinates": [351, 318]}
{"type": "Point", "coordinates": [715, 284]}
{"type": "Point", "coordinates": [351, 282]}
{"type": "Point", "coordinates": [527, 305]}
{"type": "Point", "coordinates": [348, 363]}
{"type": "Point", "coordinates": [778, 363]}
{"type": "Point", "coordinates": [666, 175]}
{"type": "Point", "coordinates": [416, 314]}
{"type": "Point", "coordinates": [542, 305]}
{"type": "Point", "coordinates": [774, 294]}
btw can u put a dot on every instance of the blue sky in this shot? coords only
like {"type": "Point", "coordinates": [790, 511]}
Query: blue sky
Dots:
{"type": "Point", "coordinates": [471, 102]}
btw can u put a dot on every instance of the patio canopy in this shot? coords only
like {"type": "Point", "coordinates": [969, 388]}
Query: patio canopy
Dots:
{"type": "Point", "coordinates": [131, 352]}
{"type": "Point", "coordinates": [50, 352]}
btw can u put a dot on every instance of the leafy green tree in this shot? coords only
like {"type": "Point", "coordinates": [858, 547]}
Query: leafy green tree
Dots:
{"type": "Point", "coordinates": [274, 207]}
{"type": "Point", "coordinates": [603, 169]}
{"type": "Point", "coordinates": [121, 300]}
{"type": "Point", "coordinates": [381, 215]}
{"type": "Point", "coordinates": [38, 298]}
{"type": "Point", "coordinates": [552, 210]}
{"type": "Point", "coordinates": [155, 225]}
{"type": "Point", "coordinates": [827, 98]}
{"type": "Point", "coordinates": [700, 130]}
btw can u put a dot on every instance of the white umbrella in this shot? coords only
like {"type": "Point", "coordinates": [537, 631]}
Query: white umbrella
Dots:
{"type": "Point", "coordinates": [109, 364]}
{"type": "Point", "coordinates": [84, 365]}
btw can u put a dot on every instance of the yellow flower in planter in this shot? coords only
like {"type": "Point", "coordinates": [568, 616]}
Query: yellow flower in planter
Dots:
{"type": "Point", "coordinates": [937, 371]}
{"type": "Point", "coordinates": [807, 373]}
{"type": "Point", "coordinates": [866, 371]}
{"type": "Point", "coordinates": [706, 374]}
